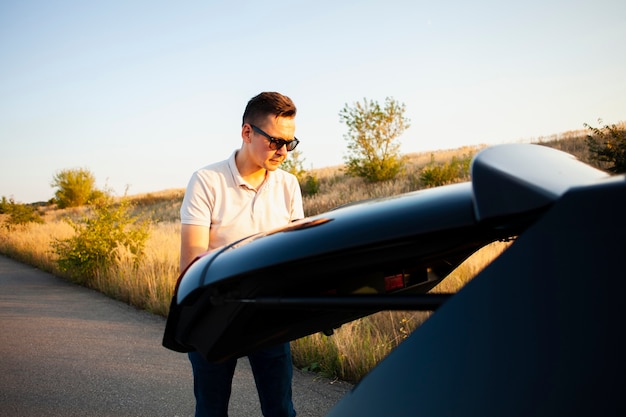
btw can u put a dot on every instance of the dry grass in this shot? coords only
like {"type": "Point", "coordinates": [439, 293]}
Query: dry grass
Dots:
{"type": "Point", "coordinates": [31, 243]}
{"type": "Point", "coordinates": [163, 206]}
{"type": "Point", "coordinates": [148, 286]}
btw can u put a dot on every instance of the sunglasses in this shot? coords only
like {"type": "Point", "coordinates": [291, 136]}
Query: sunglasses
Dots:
{"type": "Point", "coordinates": [276, 143]}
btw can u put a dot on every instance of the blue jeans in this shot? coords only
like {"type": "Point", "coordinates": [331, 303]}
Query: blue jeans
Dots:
{"type": "Point", "coordinates": [272, 370]}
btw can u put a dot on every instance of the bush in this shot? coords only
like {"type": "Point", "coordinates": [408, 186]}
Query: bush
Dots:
{"type": "Point", "coordinates": [310, 186]}
{"type": "Point", "coordinates": [76, 187]}
{"type": "Point", "coordinates": [376, 170]}
{"type": "Point", "coordinates": [98, 237]}
{"type": "Point", "coordinates": [18, 214]}
{"type": "Point", "coordinates": [608, 145]}
{"type": "Point", "coordinates": [448, 173]}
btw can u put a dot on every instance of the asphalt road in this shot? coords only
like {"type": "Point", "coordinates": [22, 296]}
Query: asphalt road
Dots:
{"type": "Point", "coordinates": [69, 351]}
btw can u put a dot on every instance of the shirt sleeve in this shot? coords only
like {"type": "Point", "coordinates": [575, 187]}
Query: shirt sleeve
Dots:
{"type": "Point", "coordinates": [198, 202]}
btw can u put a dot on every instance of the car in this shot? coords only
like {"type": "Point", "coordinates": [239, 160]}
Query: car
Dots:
{"type": "Point", "coordinates": [537, 332]}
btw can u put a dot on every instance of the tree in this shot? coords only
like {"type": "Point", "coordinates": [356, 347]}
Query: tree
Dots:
{"type": "Point", "coordinates": [608, 144]}
{"type": "Point", "coordinates": [75, 187]}
{"type": "Point", "coordinates": [373, 151]}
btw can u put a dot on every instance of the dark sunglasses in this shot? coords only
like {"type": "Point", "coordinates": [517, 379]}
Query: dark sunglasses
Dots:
{"type": "Point", "coordinates": [276, 143]}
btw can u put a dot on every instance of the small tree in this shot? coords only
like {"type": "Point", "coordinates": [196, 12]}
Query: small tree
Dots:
{"type": "Point", "coordinates": [608, 144]}
{"type": "Point", "coordinates": [373, 152]}
{"type": "Point", "coordinates": [75, 187]}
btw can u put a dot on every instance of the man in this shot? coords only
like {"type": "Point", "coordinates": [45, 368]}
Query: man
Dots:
{"type": "Point", "coordinates": [227, 201]}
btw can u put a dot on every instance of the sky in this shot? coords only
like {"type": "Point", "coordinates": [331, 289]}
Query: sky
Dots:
{"type": "Point", "coordinates": [144, 92]}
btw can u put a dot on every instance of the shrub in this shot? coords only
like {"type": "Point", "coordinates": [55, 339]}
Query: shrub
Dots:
{"type": "Point", "coordinates": [18, 214]}
{"type": "Point", "coordinates": [608, 144]}
{"type": "Point", "coordinates": [310, 186]}
{"type": "Point", "coordinates": [435, 175]}
{"type": "Point", "coordinates": [98, 237]}
{"type": "Point", "coordinates": [76, 187]}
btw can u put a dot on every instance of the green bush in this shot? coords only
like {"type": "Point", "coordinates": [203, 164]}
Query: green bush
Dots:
{"type": "Point", "coordinates": [18, 214]}
{"type": "Point", "coordinates": [310, 186]}
{"type": "Point", "coordinates": [376, 170]}
{"type": "Point", "coordinates": [98, 235]}
{"type": "Point", "coordinates": [76, 187]}
{"type": "Point", "coordinates": [435, 175]}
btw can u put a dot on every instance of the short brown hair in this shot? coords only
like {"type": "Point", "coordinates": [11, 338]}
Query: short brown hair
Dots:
{"type": "Point", "coordinates": [268, 103]}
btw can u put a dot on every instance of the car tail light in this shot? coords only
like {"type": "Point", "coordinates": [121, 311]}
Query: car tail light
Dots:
{"type": "Point", "coordinates": [394, 282]}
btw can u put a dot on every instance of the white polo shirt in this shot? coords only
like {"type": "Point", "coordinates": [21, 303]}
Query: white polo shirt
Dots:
{"type": "Point", "coordinates": [218, 197]}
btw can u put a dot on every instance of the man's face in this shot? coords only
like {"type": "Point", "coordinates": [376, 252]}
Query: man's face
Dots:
{"type": "Point", "coordinates": [278, 128]}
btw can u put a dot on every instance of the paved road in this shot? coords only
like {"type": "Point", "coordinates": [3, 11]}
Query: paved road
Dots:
{"type": "Point", "coordinates": [69, 351]}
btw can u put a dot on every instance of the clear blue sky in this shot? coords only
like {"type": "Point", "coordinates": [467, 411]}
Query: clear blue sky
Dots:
{"type": "Point", "coordinates": [142, 93]}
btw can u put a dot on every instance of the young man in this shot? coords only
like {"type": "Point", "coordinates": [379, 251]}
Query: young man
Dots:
{"type": "Point", "coordinates": [227, 201]}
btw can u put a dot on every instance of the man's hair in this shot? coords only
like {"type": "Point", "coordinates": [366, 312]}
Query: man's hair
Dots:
{"type": "Point", "coordinates": [268, 103]}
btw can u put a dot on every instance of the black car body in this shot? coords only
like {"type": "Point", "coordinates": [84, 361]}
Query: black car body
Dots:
{"type": "Point", "coordinates": [536, 333]}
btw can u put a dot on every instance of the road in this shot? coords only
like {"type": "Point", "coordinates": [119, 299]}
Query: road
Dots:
{"type": "Point", "coordinates": [66, 350]}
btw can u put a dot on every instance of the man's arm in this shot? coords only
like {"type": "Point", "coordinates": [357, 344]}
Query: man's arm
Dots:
{"type": "Point", "coordinates": [194, 241]}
